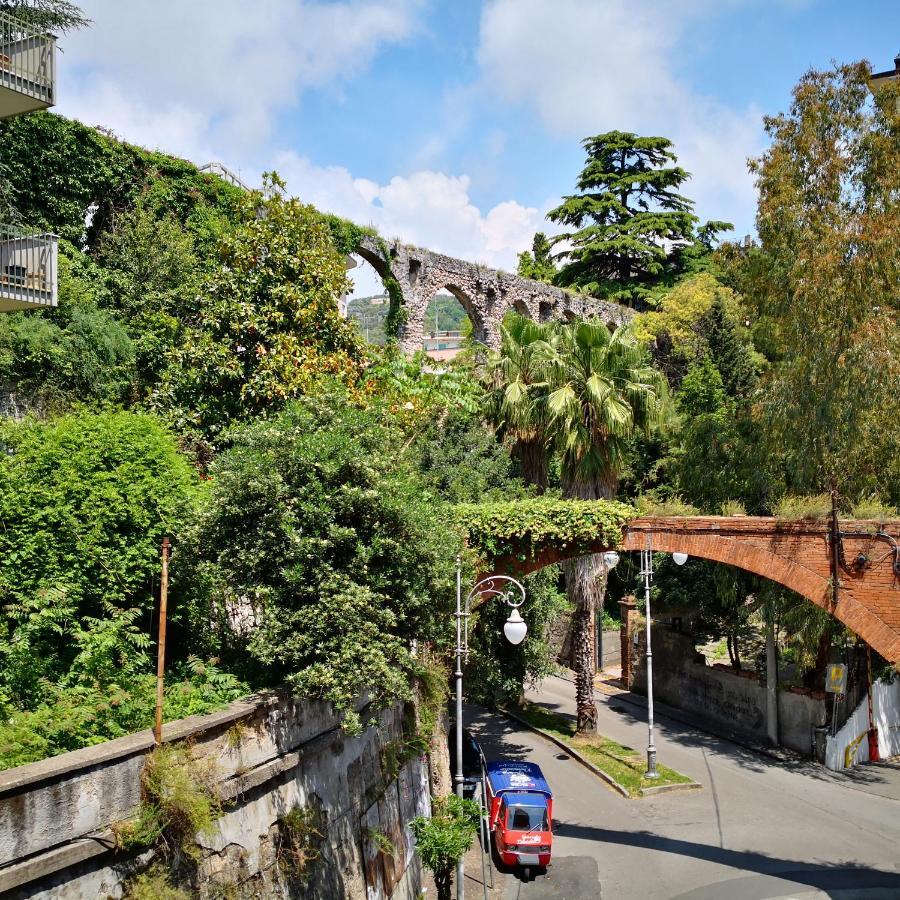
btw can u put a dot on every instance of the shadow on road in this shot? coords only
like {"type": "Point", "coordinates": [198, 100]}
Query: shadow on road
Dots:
{"type": "Point", "coordinates": [834, 879]}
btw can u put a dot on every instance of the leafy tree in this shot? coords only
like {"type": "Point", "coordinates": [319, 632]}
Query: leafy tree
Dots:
{"type": "Point", "coordinates": [321, 556]}
{"type": "Point", "coordinates": [84, 502]}
{"type": "Point", "coordinates": [516, 404]}
{"type": "Point", "coordinates": [602, 391]}
{"type": "Point", "coordinates": [538, 264]}
{"type": "Point", "coordinates": [826, 275]}
{"type": "Point", "coordinates": [443, 838]}
{"type": "Point", "coordinates": [462, 461]}
{"type": "Point", "coordinates": [266, 325]}
{"type": "Point", "coordinates": [47, 15]}
{"type": "Point", "coordinates": [627, 210]}
{"type": "Point", "coordinates": [152, 277]}
{"type": "Point", "coordinates": [63, 174]}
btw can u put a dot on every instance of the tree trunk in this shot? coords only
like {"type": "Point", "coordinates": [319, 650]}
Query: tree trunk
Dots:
{"type": "Point", "coordinates": [585, 590]}
{"type": "Point", "coordinates": [532, 457]}
{"type": "Point", "coordinates": [585, 587]}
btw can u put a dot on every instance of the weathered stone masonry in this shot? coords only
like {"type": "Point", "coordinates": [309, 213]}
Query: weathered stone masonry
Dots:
{"type": "Point", "coordinates": [485, 294]}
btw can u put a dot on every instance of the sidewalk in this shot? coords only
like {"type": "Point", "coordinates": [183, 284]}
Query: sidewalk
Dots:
{"type": "Point", "coordinates": [880, 779]}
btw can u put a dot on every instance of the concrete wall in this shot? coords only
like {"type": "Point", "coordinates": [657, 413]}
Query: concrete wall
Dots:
{"type": "Point", "coordinates": [610, 650]}
{"type": "Point", "coordinates": [269, 755]}
{"type": "Point", "coordinates": [723, 699]}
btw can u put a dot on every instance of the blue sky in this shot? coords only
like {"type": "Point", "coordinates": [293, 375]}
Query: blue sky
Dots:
{"type": "Point", "coordinates": [456, 125]}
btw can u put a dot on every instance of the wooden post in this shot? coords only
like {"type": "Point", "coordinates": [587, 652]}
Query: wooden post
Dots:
{"type": "Point", "coordinates": [161, 644]}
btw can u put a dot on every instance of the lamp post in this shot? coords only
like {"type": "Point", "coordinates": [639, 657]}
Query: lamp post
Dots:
{"type": "Point", "coordinates": [647, 573]}
{"type": "Point", "coordinates": [514, 630]}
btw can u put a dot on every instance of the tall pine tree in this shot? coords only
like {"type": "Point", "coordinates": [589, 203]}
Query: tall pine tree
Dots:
{"type": "Point", "coordinates": [627, 215]}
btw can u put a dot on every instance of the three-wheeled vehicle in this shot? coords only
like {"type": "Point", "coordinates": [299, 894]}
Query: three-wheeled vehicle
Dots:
{"type": "Point", "coordinates": [520, 812]}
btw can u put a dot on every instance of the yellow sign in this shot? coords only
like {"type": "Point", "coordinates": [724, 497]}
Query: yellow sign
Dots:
{"type": "Point", "coordinates": [836, 678]}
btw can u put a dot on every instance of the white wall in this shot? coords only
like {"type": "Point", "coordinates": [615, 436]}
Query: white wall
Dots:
{"type": "Point", "coordinates": [886, 714]}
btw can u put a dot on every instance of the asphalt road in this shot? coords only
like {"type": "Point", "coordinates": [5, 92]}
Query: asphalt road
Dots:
{"type": "Point", "coordinates": [758, 829]}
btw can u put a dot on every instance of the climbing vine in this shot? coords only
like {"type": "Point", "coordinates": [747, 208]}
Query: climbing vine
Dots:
{"type": "Point", "coordinates": [523, 528]}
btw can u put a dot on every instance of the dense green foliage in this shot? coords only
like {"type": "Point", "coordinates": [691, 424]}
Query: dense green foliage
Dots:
{"type": "Point", "coordinates": [521, 528]}
{"type": "Point", "coordinates": [265, 325]}
{"type": "Point", "coordinates": [321, 555]}
{"type": "Point", "coordinates": [443, 839]}
{"type": "Point", "coordinates": [85, 501]}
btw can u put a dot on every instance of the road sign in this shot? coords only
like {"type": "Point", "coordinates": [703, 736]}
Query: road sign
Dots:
{"type": "Point", "coordinates": [836, 678]}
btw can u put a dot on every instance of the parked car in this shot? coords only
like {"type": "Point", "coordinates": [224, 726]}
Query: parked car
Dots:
{"type": "Point", "coordinates": [472, 761]}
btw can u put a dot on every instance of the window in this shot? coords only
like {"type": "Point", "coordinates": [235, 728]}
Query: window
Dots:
{"type": "Point", "coordinates": [527, 818]}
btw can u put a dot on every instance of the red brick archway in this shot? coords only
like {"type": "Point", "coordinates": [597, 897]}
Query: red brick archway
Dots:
{"type": "Point", "coordinates": [795, 554]}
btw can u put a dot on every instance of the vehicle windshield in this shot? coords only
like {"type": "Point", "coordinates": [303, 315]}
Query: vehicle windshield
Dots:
{"type": "Point", "coordinates": [527, 818]}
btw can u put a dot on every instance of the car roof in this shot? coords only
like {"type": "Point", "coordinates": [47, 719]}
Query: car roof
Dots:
{"type": "Point", "coordinates": [507, 775]}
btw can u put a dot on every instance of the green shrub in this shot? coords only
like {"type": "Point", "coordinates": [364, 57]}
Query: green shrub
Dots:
{"type": "Point", "coordinates": [813, 509]}
{"type": "Point", "coordinates": [873, 508]}
{"type": "Point", "coordinates": [648, 505]}
{"type": "Point", "coordinates": [72, 715]}
{"type": "Point", "coordinates": [443, 839]}
{"type": "Point", "coordinates": [321, 556]}
{"type": "Point", "coordinates": [84, 503]}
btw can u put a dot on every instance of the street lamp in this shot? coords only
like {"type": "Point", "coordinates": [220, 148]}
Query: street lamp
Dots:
{"type": "Point", "coordinates": [515, 630]}
{"type": "Point", "coordinates": [647, 573]}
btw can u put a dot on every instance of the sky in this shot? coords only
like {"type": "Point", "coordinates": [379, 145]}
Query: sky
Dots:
{"type": "Point", "coordinates": [457, 125]}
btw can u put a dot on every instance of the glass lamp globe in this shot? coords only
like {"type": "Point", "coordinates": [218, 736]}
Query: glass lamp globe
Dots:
{"type": "Point", "coordinates": [680, 558]}
{"type": "Point", "coordinates": [611, 559]}
{"type": "Point", "coordinates": [515, 628]}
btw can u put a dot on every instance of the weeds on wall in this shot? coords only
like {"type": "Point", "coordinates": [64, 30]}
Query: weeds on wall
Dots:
{"type": "Point", "coordinates": [179, 801]}
{"type": "Point", "coordinates": [154, 884]}
{"type": "Point", "coordinates": [301, 834]}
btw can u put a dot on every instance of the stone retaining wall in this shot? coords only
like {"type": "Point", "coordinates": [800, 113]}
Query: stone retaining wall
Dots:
{"type": "Point", "coordinates": [271, 754]}
{"type": "Point", "coordinates": [721, 698]}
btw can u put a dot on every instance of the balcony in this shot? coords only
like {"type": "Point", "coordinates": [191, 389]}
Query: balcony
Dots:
{"type": "Point", "coordinates": [27, 68]}
{"type": "Point", "coordinates": [27, 269]}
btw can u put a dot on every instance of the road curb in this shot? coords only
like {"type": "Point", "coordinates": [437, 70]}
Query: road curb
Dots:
{"type": "Point", "coordinates": [671, 788]}
{"type": "Point", "coordinates": [608, 779]}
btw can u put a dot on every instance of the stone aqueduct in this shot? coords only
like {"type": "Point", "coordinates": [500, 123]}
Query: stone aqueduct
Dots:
{"type": "Point", "coordinates": [798, 554]}
{"type": "Point", "coordinates": [485, 294]}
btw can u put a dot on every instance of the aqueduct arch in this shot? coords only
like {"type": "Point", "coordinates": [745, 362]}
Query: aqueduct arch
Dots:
{"type": "Point", "coordinates": [486, 294]}
{"type": "Point", "coordinates": [798, 554]}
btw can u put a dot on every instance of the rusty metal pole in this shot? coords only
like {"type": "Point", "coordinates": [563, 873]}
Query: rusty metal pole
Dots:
{"type": "Point", "coordinates": [161, 644]}
{"type": "Point", "coordinates": [873, 731]}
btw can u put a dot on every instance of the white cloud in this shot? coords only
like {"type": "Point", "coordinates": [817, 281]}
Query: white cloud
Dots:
{"type": "Point", "coordinates": [430, 209]}
{"type": "Point", "coordinates": [587, 67]}
{"type": "Point", "coordinates": [215, 73]}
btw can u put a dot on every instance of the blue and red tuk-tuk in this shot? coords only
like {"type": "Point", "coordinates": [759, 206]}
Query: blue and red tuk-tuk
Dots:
{"type": "Point", "coordinates": [520, 812]}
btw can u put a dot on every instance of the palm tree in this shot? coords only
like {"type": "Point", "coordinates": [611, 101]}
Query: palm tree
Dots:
{"type": "Point", "coordinates": [517, 401]}
{"type": "Point", "coordinates": [602, 391]}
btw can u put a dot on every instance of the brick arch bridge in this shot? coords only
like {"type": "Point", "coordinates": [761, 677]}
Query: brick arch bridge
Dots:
{"type": "Point", "coordinates": [796, 554]}
{"type": "Point", "coordinates": [485, 294]}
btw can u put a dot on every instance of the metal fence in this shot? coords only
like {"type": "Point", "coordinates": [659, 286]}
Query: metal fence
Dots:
{"type": "Point", "coordinates": [28, 269]}
{"type": "Point", "coordinates": [27, 60]}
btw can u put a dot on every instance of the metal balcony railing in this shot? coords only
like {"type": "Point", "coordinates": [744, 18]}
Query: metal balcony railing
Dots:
{"type": "Point", "coordinates": [28, 269]}
{"type": "Point", "coordinates": [27, 68]}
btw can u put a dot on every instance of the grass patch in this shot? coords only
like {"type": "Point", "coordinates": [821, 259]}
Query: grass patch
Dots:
{"type": "Point", "coordinates": [622, 763]}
